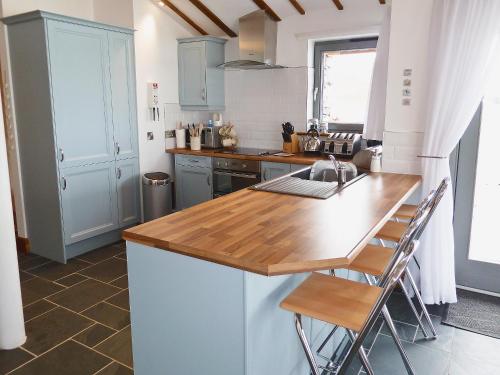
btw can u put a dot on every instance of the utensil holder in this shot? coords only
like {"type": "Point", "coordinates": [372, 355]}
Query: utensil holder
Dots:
{"type": "Point", "coordinates": [293, 146]}
{"type": "Point", "coordinates": [180, 138]}
{"type": "Point", "coordinates": [195, 143]}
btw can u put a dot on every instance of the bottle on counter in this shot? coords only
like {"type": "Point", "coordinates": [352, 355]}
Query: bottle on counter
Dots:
{"type": "Point", "coordinates": [376, 163]}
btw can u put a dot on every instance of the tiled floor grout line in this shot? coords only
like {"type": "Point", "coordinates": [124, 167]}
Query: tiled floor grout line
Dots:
{"type": "Point", "coordinates": [39, 315]}
{"type": "Point", "coordinates": [105, 367]}
{"type": "Point", "coordinates": [105, 355]}
{"type": "Point", "coordinates": [118, 307]}
{"type": "Point", "coordinates": [27, 351]}
{"type": "Point", "coordinates": [86, 317]}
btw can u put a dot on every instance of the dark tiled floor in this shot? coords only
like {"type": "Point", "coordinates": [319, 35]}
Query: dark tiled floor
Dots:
{"type": "Point", "coordinates": [78, 323]}
{"type": "Point", "coordinates": [71, 329]}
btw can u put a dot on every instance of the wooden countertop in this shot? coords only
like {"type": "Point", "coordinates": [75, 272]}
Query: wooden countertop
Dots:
{"type": "Point", "coordinates": [299, 158]}
{"type": "Point", "coordinates": [274, 234]}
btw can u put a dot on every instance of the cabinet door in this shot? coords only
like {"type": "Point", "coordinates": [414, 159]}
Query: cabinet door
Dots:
{"type": "Point", "coordinates": [88, 196]}
{"type": "Point", "coordinates": [127, 174]}
{"type": "Point", "coordinates": [123, 97]}
{"type": "Point", "coordinates": [271, 170]}
{"type": "Point", "coordinates": [297, 167]}
{"type": "Point", "coordinates": [192, 74]}
{"type": "Point", "coordinates": [79, 71]}
{"type": "Point", "coordinates": [194, 185]}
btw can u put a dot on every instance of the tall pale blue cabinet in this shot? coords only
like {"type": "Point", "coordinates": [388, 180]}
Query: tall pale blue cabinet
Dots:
{"type": "Point", "coordinates": [74, 95]}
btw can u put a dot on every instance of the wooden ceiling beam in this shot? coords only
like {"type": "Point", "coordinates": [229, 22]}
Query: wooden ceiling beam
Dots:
{"type": "Point", "coordinates": [338, 4]}
{"type": "Point", "coordinates": [263, 5]}
{"type": "Point", "coordinates": [181, 14]}
{"type": "Point", "coordinates": [297, 6]}
{"type": "Point", "coordinates": [381, 2]}
{"type": "Point", "coordinates": [207, 12]}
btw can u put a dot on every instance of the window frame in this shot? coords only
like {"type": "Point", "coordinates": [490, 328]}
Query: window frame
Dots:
{"type": "Point", "coordinates": [335, 45]}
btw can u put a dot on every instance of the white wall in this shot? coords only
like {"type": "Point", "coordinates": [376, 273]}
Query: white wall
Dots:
{"type": "Point", "coordinates": [404, 125]}
{"type": "Point", "coordinates": [257, 102]}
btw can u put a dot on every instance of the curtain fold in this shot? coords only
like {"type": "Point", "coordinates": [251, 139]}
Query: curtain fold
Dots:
{"type": "Point", "coordinates": [375, 117]}
{"type": "Point", "coordinates": [464, 37]}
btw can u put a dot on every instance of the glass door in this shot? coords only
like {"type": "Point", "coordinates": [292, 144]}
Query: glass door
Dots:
{"type": "Point", "coordinates": [477, 197]}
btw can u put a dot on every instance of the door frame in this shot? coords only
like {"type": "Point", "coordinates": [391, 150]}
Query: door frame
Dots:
{"type": "Point", "coordinates": [470, 274]}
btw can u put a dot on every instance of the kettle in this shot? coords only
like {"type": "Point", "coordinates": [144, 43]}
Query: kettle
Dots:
{"type": "Point", "coordinates": [312, 142]}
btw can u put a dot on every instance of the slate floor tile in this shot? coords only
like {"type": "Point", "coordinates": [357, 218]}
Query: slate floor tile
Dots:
{"type": "Point", "coordinates": [121, 300]}
{"type": "Point", "coordinates": [121, 282]}
{"type": "Point", "coordinates": [11, 359]}
{"type": "Point", "coordinates": [118, 347]}
{"type": "Point", "coordinates": [31, 261]}
{"type": "Point", "coordinates": [444, 340]}
{"type": "Point", "coordinates": [101, 254]}
{"type": "Point", "coordinates": [107, 270]}
{"type": "Point", "coordinates": [70, 358]}
{"type": "Point", "coordinates": [54, 270]}
{"type": "Point", "coordinates": [37, 288]}
{"type": "Point", "coordinates": [478, 347]}
{"type": "Point", "coordinates": [115, 369]}
{"type": "Point", "coordinates": [467, 366]}
{"type": "Point", "coordinates": [25, 276]}
{"type": "Point", "coordinates": [84, 295]}
{"type": "Point", "coordinates": [406, 331]}
{"type": "Point", "coordinates": [108, 315]}
{"type": "Point", "coordinates": [37, 308]}
{"type": "Point", "coordinates": [386, 359]}
{"type": "Point", "coordinates": [48, 330]}
{"type": "Point", "coordinates": [94, 335]}
{"type": "Point", "coordinates": [71, 280]}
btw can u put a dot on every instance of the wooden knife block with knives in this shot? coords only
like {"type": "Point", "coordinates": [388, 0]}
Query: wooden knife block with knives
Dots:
{"type": "Point", "coordinates": [293, 146]}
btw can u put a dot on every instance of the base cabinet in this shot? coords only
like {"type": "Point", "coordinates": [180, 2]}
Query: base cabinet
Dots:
{"type": "Point", "coordinates": [270, 170]}
{"type": "Point", "coordinates": [193, 181]}
{"type": "Point", "coordinates": [128, 192]}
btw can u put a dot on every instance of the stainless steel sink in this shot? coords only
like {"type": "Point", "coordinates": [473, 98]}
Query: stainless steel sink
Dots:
{"type": "Point", "coordinates": [310, 182]}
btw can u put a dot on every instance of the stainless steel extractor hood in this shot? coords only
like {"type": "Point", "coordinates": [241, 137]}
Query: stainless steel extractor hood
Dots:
{"type": "Point", "coordinates": [257, 41]}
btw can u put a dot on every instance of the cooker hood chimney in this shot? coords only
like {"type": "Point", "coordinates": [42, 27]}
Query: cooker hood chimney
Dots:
{"type": "Point", "coordinates": [257, 40]}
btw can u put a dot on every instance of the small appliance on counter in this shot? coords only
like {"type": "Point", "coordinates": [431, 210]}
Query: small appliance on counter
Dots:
{"type": "Point", "coordinates": [342, 144]}
{"type": "Point", "coordinates": [312, 142]}
{"type": "Point", "coordinates": [210, 138]}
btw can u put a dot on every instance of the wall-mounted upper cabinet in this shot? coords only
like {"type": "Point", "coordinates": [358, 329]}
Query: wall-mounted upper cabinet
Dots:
{"type": "Point", "coordinates": [201, 83]}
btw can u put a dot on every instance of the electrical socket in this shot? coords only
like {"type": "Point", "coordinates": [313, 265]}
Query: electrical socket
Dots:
{"type": "Point", "coordinates": [170, 133]}
{"type": "Point", "coordinates": [150, 136]}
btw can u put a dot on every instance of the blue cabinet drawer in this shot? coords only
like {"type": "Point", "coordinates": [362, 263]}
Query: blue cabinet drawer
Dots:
{"type": "Point", "coordinates": [193, 161]}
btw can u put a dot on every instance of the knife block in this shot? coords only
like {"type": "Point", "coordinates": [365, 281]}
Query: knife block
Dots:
{"type": "Point", "coordinates": [293, 146]}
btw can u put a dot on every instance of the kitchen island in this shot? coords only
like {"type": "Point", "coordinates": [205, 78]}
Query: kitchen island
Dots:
{"type": "Point", "coordinates": [206, 282]}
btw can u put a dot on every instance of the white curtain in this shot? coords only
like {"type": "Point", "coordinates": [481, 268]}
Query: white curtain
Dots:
{"type": "Point", "coordinates": [462, 45]}
{"type": "Point", "coordinates": [375, 117]}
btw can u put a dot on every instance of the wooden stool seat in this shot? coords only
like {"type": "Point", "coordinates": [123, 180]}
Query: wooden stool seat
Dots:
{"type": "Point", "coordinates": [392, 231]}
{"type": "Point", "coordinates": [406, 211]}
{"type": "Point", "coordinates": [333, 300]}
{"type": "Point", "coordinates": [372, 260]}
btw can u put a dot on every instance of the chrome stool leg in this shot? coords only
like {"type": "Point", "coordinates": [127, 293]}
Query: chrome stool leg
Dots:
{"type": "Point", "coordinates": [414, 309]}
{"type": "Point", "coordinates": [421, 302]}
{"type": "Point", "coordinates": [307, 349]}
{"type": "Point", "coordinates": [362, 355]}
{"type": "Point", "coordinates": [395, 336]}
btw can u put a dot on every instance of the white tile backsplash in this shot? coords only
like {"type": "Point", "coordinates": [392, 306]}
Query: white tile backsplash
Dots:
{"type": "Point", "coordinates": [258, 102]}
{"type": "Point", "coordinates": [173, 114]}
{"type": "Point", "coordinates": [400, 152]}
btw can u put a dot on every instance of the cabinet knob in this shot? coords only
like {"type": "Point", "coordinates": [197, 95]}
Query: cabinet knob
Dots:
{"type": "Point", "coordinates": [64, 183]}
{"type": "Point", "coordinates": [61, 154]}
{"type": "Point", "coordinates": [117, 147]}
{"type": "Point", "coordinates": [203, 94]}
{"type": "Point", "coordinates": [118, 172]}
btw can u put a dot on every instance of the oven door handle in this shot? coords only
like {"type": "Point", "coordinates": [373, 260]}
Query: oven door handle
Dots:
{"type": "Point", "coordinates": [235, 174]}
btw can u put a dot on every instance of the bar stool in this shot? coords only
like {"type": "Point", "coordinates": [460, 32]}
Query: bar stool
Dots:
{"type": "Point", "coordinates": [349, 304]}
{"type": "Point", "coordinates": [373, 259]}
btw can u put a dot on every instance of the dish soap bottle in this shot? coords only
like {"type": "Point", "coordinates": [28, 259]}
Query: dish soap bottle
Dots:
{"type": "Point", "coordinates": [376, 164]}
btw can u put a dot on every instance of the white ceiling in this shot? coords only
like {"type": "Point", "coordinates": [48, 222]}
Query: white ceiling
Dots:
{"type": "Point", "coordinates": [230, 10]}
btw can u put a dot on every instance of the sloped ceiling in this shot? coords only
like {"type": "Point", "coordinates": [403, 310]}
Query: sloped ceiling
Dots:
{"type": "Point", "coordinates": [230, 10]}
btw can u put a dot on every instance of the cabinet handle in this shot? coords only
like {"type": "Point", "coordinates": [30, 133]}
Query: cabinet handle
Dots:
{"type": "Point", "coordinates": [118, 172]}
{"type": "Point", "coordinates": [117, 147]}
{"type": "Point", "coordinates": [208, 180]}
{"type": "Point", "coordinates": [61, 154]}
{"type": "Point", "coordinates": [203, 94]}
{"type": "Point", "coordinates": [64, 183]}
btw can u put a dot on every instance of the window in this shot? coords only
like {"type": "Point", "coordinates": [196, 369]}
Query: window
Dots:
{"type": "Point", "coordinates": [342, 81]}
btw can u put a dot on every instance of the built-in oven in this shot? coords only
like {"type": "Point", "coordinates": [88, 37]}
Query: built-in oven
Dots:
{"type": "Point", "coordinates": [231, 175]}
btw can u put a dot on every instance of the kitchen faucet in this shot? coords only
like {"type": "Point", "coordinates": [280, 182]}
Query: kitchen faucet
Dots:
{"type": "Point", "coordinates": [340, 170]}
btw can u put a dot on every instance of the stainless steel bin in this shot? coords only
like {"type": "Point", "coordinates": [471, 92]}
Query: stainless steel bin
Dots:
{"type": "Point", "coordinates": [157, 195]}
